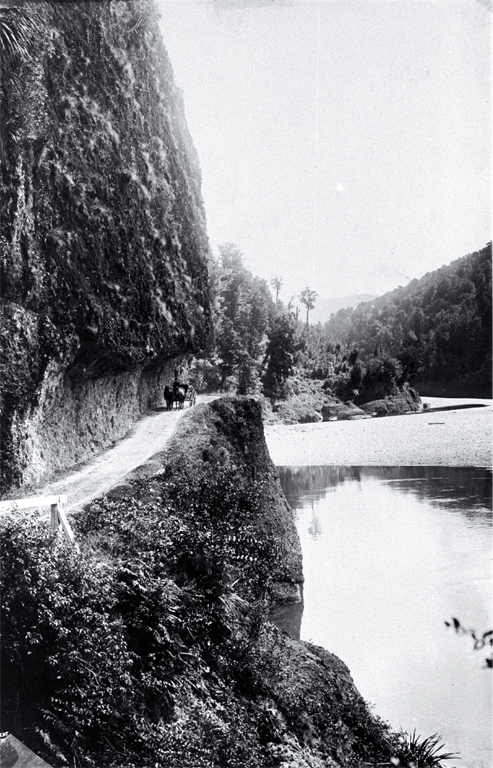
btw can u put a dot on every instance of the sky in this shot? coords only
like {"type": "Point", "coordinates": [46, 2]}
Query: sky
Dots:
{"type": "Point", "coordinates": [345, 145]}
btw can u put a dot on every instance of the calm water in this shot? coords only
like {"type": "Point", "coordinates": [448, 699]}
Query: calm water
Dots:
{"type": "Point", "coordinates": [390, 554]}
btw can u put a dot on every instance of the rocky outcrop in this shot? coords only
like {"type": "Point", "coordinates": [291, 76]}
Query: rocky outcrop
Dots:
{"type": "Point", "coordinates": [310, 711]}
{"type": "Point", "coordinates": [338, 410]}
{"type": "Point", "coordinates": [405, 401]}
{"type": "Point", "coordinates": [229, 431]}
{"type": "Point", "coordinates": [103, 240]}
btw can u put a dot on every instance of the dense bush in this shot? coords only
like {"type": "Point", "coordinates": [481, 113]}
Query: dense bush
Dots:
{"type": "Point", "coordinates": [242, 315]}
{"type": "Point", "coordinates": [100, 650]}
{"type": "Point", "coordinates": [438, 327]}
{"type": "Point", "coordinates": [151, 645]}
{"type": "Point", "coordinates": [303, 401]}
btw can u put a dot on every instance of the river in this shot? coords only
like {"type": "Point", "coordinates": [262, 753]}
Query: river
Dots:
{"type": "Point", "coordinates": [390, 554]}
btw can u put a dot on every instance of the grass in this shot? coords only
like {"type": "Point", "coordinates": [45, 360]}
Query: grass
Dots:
{"type": "Point", "coordinates": [414, 751]}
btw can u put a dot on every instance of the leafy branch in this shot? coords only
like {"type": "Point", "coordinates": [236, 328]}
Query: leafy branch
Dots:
{"type": "Point", "coordinates": [480, 641]}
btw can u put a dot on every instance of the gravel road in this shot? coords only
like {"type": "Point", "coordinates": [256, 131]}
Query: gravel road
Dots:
{"type": "Point", "coordinates": [148, 437]}
{"type": "Point", "coordinates": [448, 438]}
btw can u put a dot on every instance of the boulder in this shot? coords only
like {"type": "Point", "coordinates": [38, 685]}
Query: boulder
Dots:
{"type": "Point", "coordinates": [406, 401]}
{"type": "Point", "coordinates": [339, 410]}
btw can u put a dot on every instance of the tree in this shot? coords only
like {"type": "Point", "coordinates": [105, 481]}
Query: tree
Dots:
{"type": "Point", "coordinates": [276, 283]}
{"type": "Point", "coordinates": [279, 355]}
{"type": "Point", "coordinates": [308, 298]}
{"type": "Point", "coordinates": [410, 356]}
{"type": "Point", "coordinates": [242, 312]}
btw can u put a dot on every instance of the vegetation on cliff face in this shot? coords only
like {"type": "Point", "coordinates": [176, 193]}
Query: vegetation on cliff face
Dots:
{"type": "Point", "coordinates": [103, 243]}
{"type": "Point", "coordinates": [152, 646]}
{"type": "Point", "coordinates": [229, 432]}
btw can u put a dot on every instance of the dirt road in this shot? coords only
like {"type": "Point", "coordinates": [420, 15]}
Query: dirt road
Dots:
{"type": "Point", "coordinates": [464, 438]}
{"type": "Point", "coordinates": [148, 437]}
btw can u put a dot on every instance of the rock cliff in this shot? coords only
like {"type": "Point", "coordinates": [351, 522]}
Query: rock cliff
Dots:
{"type": "Point", "coordinates": [229, 432]}
{"type": "Point", "coordinates": [103, 239]}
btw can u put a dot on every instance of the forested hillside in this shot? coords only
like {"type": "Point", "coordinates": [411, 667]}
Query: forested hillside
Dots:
{"type": "Point", "coordinates": [262, 347]}
{"type": "Point", "coordinates": [438, 327]}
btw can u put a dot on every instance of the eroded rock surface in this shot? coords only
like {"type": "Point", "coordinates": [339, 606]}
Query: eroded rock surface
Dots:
{"type": "Point", "coordinates": [405, 401]}
{"type": "Point", "coordinates": [103, 240]}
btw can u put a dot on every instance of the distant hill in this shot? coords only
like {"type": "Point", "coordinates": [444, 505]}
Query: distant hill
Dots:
{"type": "Point", "coordinates": [439, 326]}
{"type": "Point", "coordinates": [324, 308]}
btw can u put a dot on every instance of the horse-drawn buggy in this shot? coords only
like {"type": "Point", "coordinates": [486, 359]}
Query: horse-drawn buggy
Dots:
{"type": "Point", "coordinates": [176, 395]}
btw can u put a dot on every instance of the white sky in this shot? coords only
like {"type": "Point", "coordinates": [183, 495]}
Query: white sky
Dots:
{"type": "Point", "coordinates": [345, 145]}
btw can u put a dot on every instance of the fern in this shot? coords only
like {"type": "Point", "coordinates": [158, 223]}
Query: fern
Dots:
{"type": "Point", "coordinates": [17, 31]}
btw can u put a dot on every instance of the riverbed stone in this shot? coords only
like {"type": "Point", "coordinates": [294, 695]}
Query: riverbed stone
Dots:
{"type": "Point", "coordinates": [406, 401]}
{"type": "Point", "coordinates": [338, 410]}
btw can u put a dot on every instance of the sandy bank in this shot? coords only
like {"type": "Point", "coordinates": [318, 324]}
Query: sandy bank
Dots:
{"type": "Point", "coordinates": [455, 438]}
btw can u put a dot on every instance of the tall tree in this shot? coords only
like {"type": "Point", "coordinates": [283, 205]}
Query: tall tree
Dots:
{"type": "Point", "coordinates": [308, 298]}
{"type": "Point", "coordinates": [242, 315]}
{"type": "Point", "coordinates": [279, 355]}
{"type": "Point", "coordinates": [276, 283]}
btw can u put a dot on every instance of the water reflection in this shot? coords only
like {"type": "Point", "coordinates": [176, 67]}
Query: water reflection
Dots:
{"type": "Point", "coordinates": [466, 489]}
{"type": "Point", "coordinates": [390, 553]}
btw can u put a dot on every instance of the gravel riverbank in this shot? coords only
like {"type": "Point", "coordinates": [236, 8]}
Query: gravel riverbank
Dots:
{"type": "Point", "coordinates": [454, 438]}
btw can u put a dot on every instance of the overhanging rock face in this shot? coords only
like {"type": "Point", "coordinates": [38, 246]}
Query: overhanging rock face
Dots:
{"type": "Point", "coordinates": [103, 238]}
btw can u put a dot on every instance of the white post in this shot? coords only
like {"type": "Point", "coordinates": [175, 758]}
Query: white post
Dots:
{"type": "Point", "coordinates": [54, 516]}
{"type": "Point", "coordinates": [58, 517]}
{"type": "Point", "coordinates": [65, 524]}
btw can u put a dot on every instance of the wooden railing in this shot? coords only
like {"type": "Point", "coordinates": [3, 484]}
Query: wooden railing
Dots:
{"type": "Point", "coordinates": [58, 516]}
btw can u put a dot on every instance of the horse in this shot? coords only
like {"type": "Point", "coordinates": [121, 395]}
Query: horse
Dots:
{"type": "Point", "coordinates": [179, 392]}
{"type": "Point", "coordinates": [169, 397]}
{"type": "Point", "coordinates": [191, 396]}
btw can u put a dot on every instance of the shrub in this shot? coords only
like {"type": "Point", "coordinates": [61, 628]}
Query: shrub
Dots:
{"type": "Point", "coordinates": [101, 649]}
{"type": "Point", "coordinates": [411, 749]}
{"type": "Point", "coordinates": [65, 661]}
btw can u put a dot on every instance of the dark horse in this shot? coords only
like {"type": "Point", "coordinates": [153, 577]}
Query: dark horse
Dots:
{"type": "Point", "coordinates": [179, 392]}
{"type": "Point", "coordinates": [169, 397]}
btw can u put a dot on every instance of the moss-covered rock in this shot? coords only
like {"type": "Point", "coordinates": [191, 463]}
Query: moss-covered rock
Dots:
{"type": "Point", "coordinates": [229, 432]}
{"type": "Point", "coordinates": [338, 410]}
{"type": "Point", "coordinates": [103, 241]}
{"type": "Point", "coordinates": [405, 401]}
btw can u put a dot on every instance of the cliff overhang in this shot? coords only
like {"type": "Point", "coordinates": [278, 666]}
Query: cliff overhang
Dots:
{"type": "Point", "coordinates": [103, 244]}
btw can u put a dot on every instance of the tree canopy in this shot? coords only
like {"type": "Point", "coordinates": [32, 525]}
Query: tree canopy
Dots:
{"type": "Point", "coordinates": [438, 327]}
